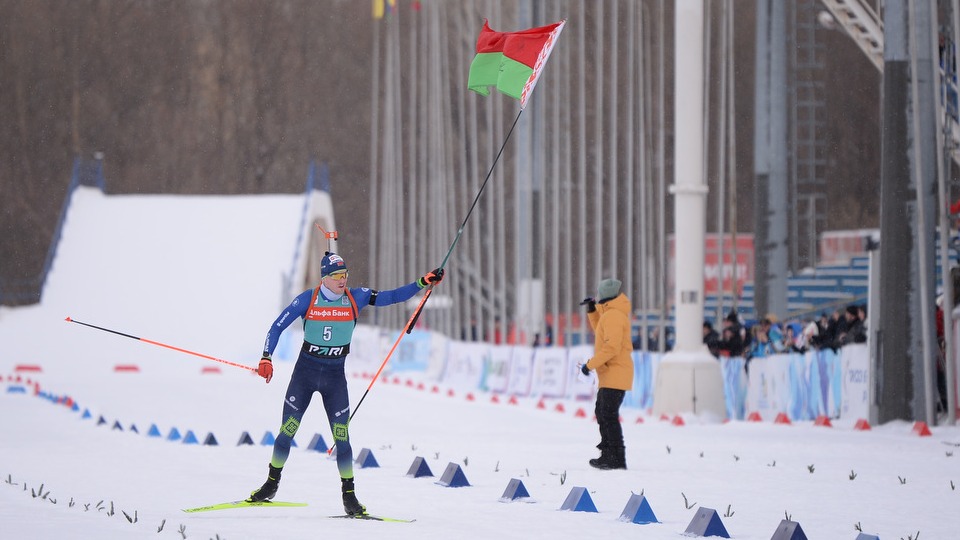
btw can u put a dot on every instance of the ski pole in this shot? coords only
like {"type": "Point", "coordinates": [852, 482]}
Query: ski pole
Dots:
{"type": "Point", "coordinates": [384, 363]}
{"type": "Point", "coordinates": [157, 343]}
{"type": "Point", "coordinates": [456, 239]}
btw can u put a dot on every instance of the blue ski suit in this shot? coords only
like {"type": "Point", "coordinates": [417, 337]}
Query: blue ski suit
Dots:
{"type": "Point", "coordinates": [329, 321]}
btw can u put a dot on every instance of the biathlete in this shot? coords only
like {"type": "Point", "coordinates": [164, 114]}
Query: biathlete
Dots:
{"type": "Point", "coordinates": [329, 314]}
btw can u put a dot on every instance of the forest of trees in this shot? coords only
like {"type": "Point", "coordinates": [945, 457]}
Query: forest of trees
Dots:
{"type": "Point", "coordinates": [225, 97]}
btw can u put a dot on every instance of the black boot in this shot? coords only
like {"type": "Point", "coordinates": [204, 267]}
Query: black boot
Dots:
{"type": "Point", "coordinates": [351, 505]}
{"type": "Point", "coordinates": [611, 458]}
{"type": "Point", "coordinates": [269, 488]}
{"type": "Point", "coordinates": [618, 458]}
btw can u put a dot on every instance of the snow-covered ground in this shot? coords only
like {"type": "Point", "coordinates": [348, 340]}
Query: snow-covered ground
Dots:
{"type": "Point", "coordinates": [67, 476]}
{"type": "Point", "coordinates": [753, 474]}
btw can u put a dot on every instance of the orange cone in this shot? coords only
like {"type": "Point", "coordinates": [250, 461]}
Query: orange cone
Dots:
{"type": "Point", "coordinates": [782, 418]}
{"type": "Point", "coordinates": [677, 421]}
{"type": "Point", "coordinates": [921, 429]}
{"type": "Point", "coordinates": [754, 417]}
{"type": "Point", "coordinates": [862, 425]}
{"type": "Point", "coordinates": [822, 421]}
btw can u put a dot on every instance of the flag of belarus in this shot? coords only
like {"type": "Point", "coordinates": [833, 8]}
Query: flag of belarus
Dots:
{"type": "Point", "coordinates": [512, 61]}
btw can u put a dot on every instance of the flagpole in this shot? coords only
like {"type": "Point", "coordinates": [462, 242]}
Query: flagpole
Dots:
{"type": "Point", "coordinates": [456, 239]}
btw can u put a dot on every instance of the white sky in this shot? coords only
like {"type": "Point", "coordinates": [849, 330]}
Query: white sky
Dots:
{"type": "Point", "coordinates": [202, 273]}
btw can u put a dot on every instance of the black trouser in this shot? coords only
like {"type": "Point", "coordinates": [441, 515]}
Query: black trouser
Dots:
{"type": "Point", "coordinates": [608, 417]}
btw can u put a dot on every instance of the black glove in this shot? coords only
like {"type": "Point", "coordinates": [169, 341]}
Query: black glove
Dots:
{"type": "Point", "coordinates": [431, 278]}
{"type": "Point", "coordinates": [585, 370]}
{"type": "Point", "coordinates": [590, 303]}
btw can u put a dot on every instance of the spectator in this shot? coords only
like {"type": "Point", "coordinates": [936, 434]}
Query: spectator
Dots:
{"type": "Point", "coordinates": [711, 339]}
{"type": "Point", "coordinates": [731, 337]}
{"type": "Point", "coordinates": [853, 331]}
{"type": "Point", "coordinates": [793, 341]}
{"type": "Point", "coordinates": [771, 326]}
{"type": "Point", "coordinates": [609, 318]}
{"type": "Point", "coordinates": [811, 334]}
{"type": "Point", "coordinates": [760, 346]}
{"type": "Point", "coordinates": [832, 331]}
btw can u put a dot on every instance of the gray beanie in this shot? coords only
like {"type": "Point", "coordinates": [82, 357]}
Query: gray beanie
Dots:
{"type": "Point", "coordinates": [609, 288]}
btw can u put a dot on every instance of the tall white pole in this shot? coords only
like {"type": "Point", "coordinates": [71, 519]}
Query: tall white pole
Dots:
{"type": "Point", "coordinates": [689, 186]}
{"type": "Point", "coordinates": [689, 378]}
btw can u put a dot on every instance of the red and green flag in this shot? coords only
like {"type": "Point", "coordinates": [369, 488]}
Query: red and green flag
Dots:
{"type": "Point", "coordinates": [512, 61]}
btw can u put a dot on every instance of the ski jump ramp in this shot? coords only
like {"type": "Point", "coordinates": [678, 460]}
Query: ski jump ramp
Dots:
{"type": "Point", "coordinates": [205, 273]}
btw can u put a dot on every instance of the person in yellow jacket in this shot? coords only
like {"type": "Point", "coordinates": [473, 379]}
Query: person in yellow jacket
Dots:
{"type": "Point", "coordinates": [609, 318]}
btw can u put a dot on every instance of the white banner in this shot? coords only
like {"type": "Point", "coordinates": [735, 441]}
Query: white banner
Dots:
{"type": "Point", "coordinates": [549, 371]}
{"type": "Point", "coordinates": [855, 390]}
{"type": "Point", "coordinates": [521, 371]}
{"type": "Point", "coordinates": [464, 367]}
{"type": "Point", "coordinates": [496, 372]}
{"type": "Point", "coordinates": [769, 386]}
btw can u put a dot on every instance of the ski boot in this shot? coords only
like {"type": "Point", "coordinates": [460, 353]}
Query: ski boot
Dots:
{"type": "Point", "coordinates": [351, 506]}
{"type": "Point", "coordinates": [269, 488]}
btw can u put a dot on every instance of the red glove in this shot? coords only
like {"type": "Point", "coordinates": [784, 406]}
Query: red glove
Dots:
{"type": "Point", "coordinates": [265, 369]}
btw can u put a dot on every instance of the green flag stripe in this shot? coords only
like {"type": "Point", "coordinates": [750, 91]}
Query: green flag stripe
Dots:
{"type": "Point", "coordinates": [513, 77]}
{"type": "Point", "coordinates": [484, 72]}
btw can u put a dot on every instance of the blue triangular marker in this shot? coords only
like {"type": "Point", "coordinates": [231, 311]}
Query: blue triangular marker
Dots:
{"type": "Point", "coordinates": [268, 438]}
{"type": "Point", "coordinates": [154, 431]}
{"type": "Point", "coordinates": [366, 460]}
{"type": "Point", "coordinates": [75, 407]}
{"type": "Point", "coordinates": [133, 428]}
{"type": "Point", "coordinates": [706, 523]}
{"type": "Point", "coordinates": [101, 421]}
{"type": "Point", "coordinates": [245, 438]}
{"type": "Point", "coordinates": [86, 414]}
{"type": "Point", "coordinates": [210, 440]}
{"type": "Point", "coordinates": [788, 530]}
{"type": "Point", "coordinates": [190, 438]}
{"type": "Point", "coordinates": [515, 490]}
{"type": "Point", "coordinates": [116, 425]}
{"type": "Point", "coordinates": [579, 501]}
{"type": "Point", "coordinates": [453, 477]}
{"type": "Point", "coordinates": [174, 434]}
{"type": "Point", "coordinates": [638, 511]}
{"type": "Point", "coordinates": [317, 443]}
{"type": "Point", "coordinates": [419, 468]}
